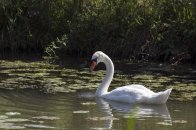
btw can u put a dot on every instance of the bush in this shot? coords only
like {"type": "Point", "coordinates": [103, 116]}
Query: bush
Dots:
{"type": "Point", "coordinates": [163, 30]}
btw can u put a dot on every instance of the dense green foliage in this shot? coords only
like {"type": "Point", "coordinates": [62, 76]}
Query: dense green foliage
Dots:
{"type": "Point", "coordinates": [158, 29]}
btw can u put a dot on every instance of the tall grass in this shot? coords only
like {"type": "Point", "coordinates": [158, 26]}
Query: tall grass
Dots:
{"type": "Point", "coordinates": [159, 29]}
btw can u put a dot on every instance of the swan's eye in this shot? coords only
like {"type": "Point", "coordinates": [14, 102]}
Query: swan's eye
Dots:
{"type": "Point", "coordinates": [95, 60]}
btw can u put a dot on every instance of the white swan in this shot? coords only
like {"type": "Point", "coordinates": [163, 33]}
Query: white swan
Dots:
{"type": "Point", "coordinates": [131, 93]}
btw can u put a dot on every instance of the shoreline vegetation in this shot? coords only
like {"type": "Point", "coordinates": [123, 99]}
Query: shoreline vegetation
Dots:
{"type": "Point", "coordinates": [149, 30]}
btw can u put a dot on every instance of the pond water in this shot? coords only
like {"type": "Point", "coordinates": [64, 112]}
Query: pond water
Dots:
{"type": "Point", "coordinates": [41, 95]}
{"type": "Point", "coordinates": [82, 111]}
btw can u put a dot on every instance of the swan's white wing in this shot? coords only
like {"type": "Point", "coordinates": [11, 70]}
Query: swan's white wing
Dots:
{"type": "Point", "coordinates": [133, 89]}
{"type": "Point", "coordinates": [137, 94]}
{"type": "Point", "coordinates": [131, 93]}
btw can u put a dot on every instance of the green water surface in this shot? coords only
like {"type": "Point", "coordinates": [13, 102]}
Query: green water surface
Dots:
{"type": "Point", "coordinates": [41, 95]}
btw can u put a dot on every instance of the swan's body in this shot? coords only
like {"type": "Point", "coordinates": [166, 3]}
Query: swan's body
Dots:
{"type": "Point", "coordinates": [132, 93]}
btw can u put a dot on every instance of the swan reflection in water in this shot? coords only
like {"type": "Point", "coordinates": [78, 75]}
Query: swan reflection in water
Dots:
{"type": "Point", "coordinates": [130, 111]}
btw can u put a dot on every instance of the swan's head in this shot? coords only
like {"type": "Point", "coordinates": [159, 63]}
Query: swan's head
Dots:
{"type": "Point", "coordinates": [96, 59]}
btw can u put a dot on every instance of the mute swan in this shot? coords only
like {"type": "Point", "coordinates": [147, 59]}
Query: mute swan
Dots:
{"type": "Point", "coordinates": [131, 93]}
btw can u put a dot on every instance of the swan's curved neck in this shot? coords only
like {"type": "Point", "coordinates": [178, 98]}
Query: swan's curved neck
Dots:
{"type": "Point", "coordinates": [103, 87]}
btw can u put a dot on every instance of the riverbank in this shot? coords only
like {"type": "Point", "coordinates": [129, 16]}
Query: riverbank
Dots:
{"type": "Point", "coordinates": [159, 31]}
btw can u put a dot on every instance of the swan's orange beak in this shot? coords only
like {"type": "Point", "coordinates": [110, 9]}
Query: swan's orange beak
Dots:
{"type": "Point", "coordinates": [92, 65]}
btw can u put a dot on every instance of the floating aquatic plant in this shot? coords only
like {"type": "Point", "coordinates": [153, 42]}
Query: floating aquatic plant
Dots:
{"type": "Point", "coordinates": [52, 78]}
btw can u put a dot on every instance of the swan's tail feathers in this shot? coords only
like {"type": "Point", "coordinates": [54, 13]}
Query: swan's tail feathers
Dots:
{"type": "Point", "coordinates": [167, 93]}
{"type": "Point", "coordinates": [163, 96]}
